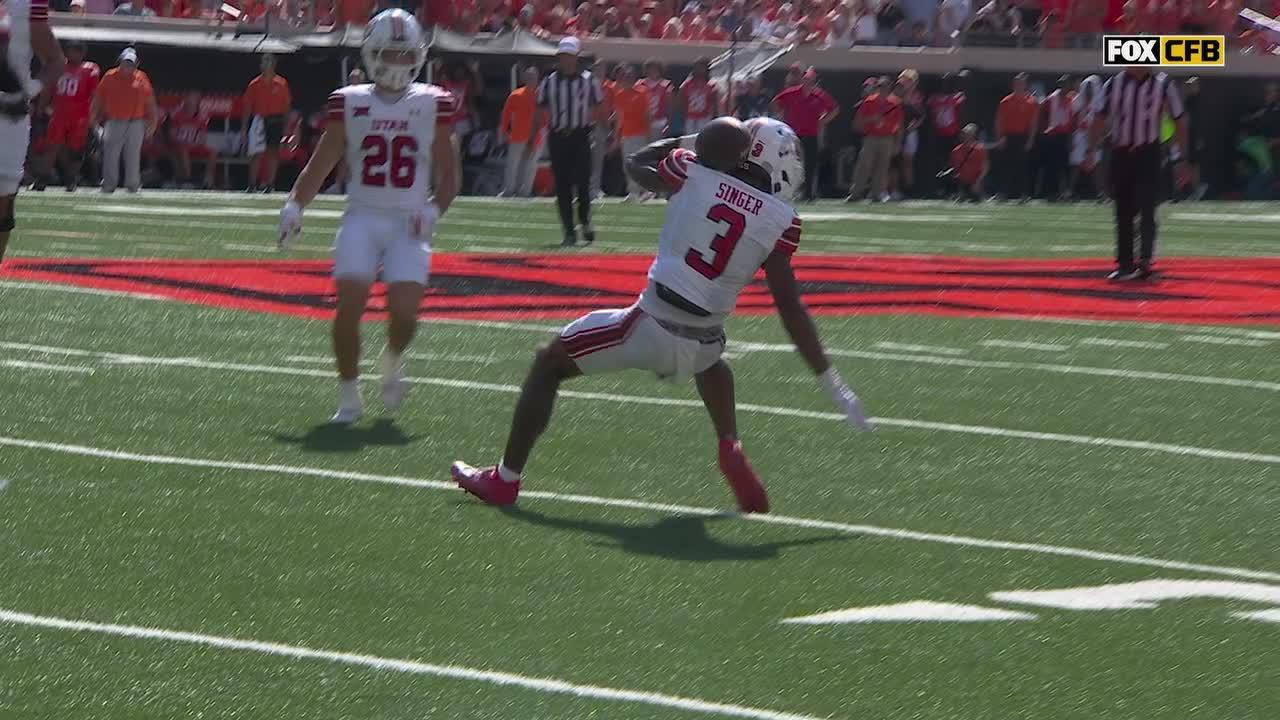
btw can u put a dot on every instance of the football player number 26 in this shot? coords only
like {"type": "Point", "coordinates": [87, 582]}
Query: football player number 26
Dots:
{"type": "Point", "coordinates": [722, 245]}
{"type": "Point", "coordinates": [389, 161]}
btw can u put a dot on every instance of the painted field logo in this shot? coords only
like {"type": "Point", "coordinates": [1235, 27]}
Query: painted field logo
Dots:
{"type": "Point", "coordinates": [1164, 50]}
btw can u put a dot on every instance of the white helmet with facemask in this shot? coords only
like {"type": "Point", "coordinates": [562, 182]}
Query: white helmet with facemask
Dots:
{"type": "Point", "coordinates": [775, 147]}
{"type": "Point", "coordinates": [393, 32]}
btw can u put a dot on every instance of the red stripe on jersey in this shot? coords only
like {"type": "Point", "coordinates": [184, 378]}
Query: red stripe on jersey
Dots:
{"type": "Point", "coordinates": [669, 176]}
{"type": "Point", "coordinates": [39, 11]}
{"type": "Point", "coordinates": [337, 106]}
{"type": "Point", "coordinates": [446, 109]}
{"type": "Point", "coordinates": [585, 342]}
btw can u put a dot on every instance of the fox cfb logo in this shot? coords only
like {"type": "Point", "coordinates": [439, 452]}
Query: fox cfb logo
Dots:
{"type": "Point", "coordinates": [1164, 50]}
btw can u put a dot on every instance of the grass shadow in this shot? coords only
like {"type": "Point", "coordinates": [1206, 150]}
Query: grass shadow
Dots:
{"type": "Point", "coordinates": [328, 437]}
{"type": "Point", "coordinates": [676, 537]}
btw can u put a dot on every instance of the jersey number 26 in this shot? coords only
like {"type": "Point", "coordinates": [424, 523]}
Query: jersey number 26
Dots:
{"type": "Point", "coordinates": [722, 245]}
{"type": "Point", "coordinates": [391, 162]}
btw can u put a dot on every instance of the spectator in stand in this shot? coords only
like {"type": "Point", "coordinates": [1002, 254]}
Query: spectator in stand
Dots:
{"type": "Point", "coordinates": [189, 136]}
{"type": "Point", "coordinates": [879, 120]}
{"type": "Point", "coordinates": [659, 92]}
{"type": "Point", "coordinates": [126, 104]}
{"type": "Point", "coordinates": [917, 35]}
{"type": "Point", "coordinates": [920, 11]}
{"type": "Point", "coordinates": [134, 8]}
{"type": "Point", "coordinates": [946, 113]}
{"type": "Point", "coordinates": [698, 100]}
{"type": "Point", "coordinates": [631, 118]}
{"type": "Point", "coordinates": [1084, 21]}
{"type": "Point", "coordinates": [613, 26]}
{"type": "Point", "coordinates": [866, 27]}
{"type": "Point", "coordinates": [77, 7]}
{"type": "Point", "coordinates": [519, 131]}
{"type": "Point", "coordinates": [1055, 138]}
{"type": "Point", "coordinates": [969, 167]}
{"type": "Point", "coordinates": [642, 28]}
{"type": "Point", "coordinates": [996, 23]}
{"type": "Point", "coordinates": [584, 22]}
{"type": "Point", "coordinates": [68, 135]}
{"type": "Point", "coordinates": [891, 20]}
{"type": "Point", "coordinates": [1016, 120]}
{"type": "Point", "coordinates": [672, 30]}
{"type": "Point", "coordinates": [952, 17]}
{"type": "Point", "coordinates": [840, 30]}
{"type": "Point", "coordinates": [808, 108]}
{"type": "Point", "coordinates": [267, 101]}
{"type": "Point", "coordinates": [663, 10]}
{"type": "Point", "coordinates": [752, 101]}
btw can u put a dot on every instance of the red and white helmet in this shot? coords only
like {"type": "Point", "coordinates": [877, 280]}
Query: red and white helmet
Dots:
{"type": "Point", "coordinates": [393, 31]}
{"type": "Point", "coordinates": [775, 147]}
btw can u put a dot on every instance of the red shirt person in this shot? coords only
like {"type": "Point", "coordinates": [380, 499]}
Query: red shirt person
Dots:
{"type": "Point", "coordinates": [807, 108]}
{"type": "Point", "coordinates": [660, 93]}
{"type": "Point", "coordinates": [189, 136]}
{"type": "Point", "coordinates": [68, 133]}
{"type": "Point", "coordinates": [698, 98]}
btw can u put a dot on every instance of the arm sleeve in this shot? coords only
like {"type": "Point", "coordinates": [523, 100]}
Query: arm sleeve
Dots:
{"type": "Point", "coordinates": [790, 240]}
{"type": "Point", "coordinates": [674, 168]}
{"type": "Point", "coordinates": [336, 107]}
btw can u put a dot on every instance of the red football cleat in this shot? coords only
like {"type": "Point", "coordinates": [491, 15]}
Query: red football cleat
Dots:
{"type": "Point", "coordinates": [742, 478]}
{"type": "Point", "coordinates": [485, 484]}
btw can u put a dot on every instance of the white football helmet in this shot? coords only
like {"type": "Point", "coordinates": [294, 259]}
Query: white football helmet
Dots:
{"type": "Point", "coordinates": [393, 31]}
{"type": "Point", "coordinates": [775, 147]}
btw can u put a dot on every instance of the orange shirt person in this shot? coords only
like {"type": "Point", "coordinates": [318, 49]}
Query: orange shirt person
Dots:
{"type": "Point", "coordinates": [125, 103]}
{"type": "Point", "coordinates": [1016, 123]}
{"type": "Point", "coordinates": [632, 122]}
{"type": "Point", "coordinates": [267, 102]}
{"type": "Point", "coordinates": [519, 130]}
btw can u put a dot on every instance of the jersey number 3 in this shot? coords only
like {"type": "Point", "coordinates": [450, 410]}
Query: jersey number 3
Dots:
{"type": "Point", "coordinates": [391, 162]}
{"type": "Point", "coordinates": [722, 245]}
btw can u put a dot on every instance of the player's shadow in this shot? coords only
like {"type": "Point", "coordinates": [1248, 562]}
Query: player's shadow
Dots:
{"type": "Point", "coordinates": [330, 438]}
{"type": "Point", "coordinates": [675, 537]}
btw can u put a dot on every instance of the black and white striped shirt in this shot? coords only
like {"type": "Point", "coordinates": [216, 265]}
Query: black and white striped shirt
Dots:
{"type": "Point", "coordinates": [569, 99]}
{"type": "Point", "coordinates": [1135, 107]}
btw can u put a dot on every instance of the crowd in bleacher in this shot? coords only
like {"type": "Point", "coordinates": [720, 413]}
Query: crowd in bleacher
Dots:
{"type": "Point", "coordinates": [822, 23]}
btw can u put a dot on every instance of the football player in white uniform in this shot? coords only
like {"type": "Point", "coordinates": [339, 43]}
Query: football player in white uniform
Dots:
{"type": "Point", "coordinates": [396, 136]}
{"type": "Point", "coordinates": [24, 29]}
{"type": "Point", "coordinates": [729, 216]}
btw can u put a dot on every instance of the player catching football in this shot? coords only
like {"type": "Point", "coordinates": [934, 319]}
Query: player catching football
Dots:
{"type": "Point", "coordinates": [396, 135]}
{"type": "Point", "coordinates": [729, 215]}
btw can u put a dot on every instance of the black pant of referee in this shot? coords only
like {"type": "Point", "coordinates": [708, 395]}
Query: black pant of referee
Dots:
{"type": "Point", "coordinates": [1135, 187]}
{"type": "Point", "coordinates": [571, 166]}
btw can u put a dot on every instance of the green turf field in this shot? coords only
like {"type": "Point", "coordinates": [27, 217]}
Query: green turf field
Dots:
{"type": "Point", "coordinates": [182, 536]}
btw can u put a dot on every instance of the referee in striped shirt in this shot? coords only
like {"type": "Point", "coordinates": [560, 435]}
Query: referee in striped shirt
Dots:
{"type": "Point", "coordinates": [1132, 106]}
{"type": "Point", "coordinates": [567, 102]}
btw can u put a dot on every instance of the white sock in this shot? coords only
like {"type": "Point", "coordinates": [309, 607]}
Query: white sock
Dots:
{"type": "Point", "coordinates": [507, 474]}
{"type": "Point", "coordinates": [349, 391]}
{"type": "Point", "coordinates": [391, 362]}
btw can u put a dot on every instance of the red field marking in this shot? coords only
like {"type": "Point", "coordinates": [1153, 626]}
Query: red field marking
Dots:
{"type": "Point", "coordinates": [1189, 290]}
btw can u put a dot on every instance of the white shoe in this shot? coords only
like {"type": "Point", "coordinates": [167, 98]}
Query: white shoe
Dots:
{"type": "Point", "coordinates": [884, 198]}
{"type": "Point", "coordinates": [347, 416]}
{"type": "Point", "coordinates": [629, 199]}
{"type": "Point", "coordinates": [646, 197]}
{"type": "Point", "coordinates": [394, 387]}
{"type": "Point", "coordinates": [350, 405]}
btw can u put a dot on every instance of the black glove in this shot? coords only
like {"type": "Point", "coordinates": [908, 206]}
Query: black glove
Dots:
{"type": "Point", "coordinates": [14, 105]}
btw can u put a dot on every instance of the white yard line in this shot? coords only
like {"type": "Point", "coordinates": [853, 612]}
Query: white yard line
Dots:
{"type": "Point", "coordinates": [1211, 340]}
{"type": "Point", "coordinates": [30, 365]}
{"type": "Point", "coordinates": [1138, 344]}
{"type": "Point", "coordinates": [930, 425]}
{"type": "Point", "coordinates": [919, 348]}
{"type": "Point", "coordinates": [78, 247]}
{"type": "Point", "coordinates": [411, 667]}
{"type": "Point", "coordinates": [1009, 365]}
{"type": "Point", "coordinates": [76, 290]}
{"type": "Point", "coordinates": [632, 504]}
{"type": "Point", "coordinates": [1019, 345]}
{"type": "Point", "coordinates": [416, 356]}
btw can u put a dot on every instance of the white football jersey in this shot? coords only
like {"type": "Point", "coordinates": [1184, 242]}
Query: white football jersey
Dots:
{"type": "Point", "coordinates": [16, 19]}
{"type": "Point", "coordinates": [389, 143]}
{"type": "Point", "coordinates": [719, 231]}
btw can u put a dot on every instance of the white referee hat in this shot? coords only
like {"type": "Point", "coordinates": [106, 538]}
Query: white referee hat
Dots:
{"type": "Point", "coordinates": [569, 46]}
